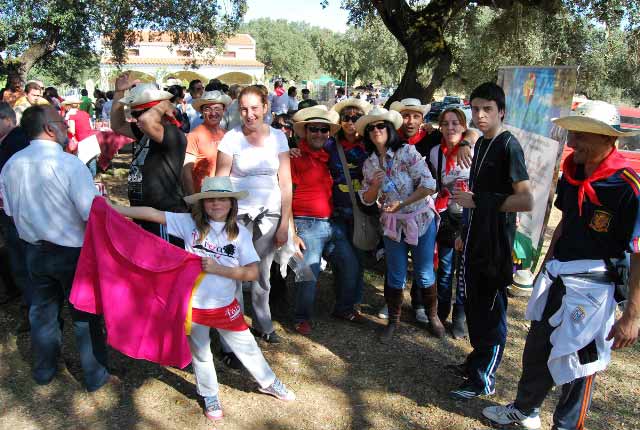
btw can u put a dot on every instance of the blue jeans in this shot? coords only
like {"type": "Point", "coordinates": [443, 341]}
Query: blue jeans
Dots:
{"type": "Point", "coordinates": [446, 264]}
{"type": "Point", "coordinates": [315, 233]}
{"type": "Point", "coordinates": [346, 263]}
{"type": "Point", "coordinates": [16, 253]}
{"type": "Point", "coordinates": [51, 269]}
{"type": "Point", "coordinates": [397, 256]}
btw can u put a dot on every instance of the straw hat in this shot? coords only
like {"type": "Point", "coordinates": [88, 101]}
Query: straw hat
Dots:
{"type": "Point", "coordinates": [378, 114]}
{"type": "Point", "coordinates": [410, 104]}
{"type": "Point", "coordinates": [594, 116]}
{"type": "Point", "coordinates": [315, 114]}
{"type": "Point", "coordinates": [352, 102]}
{"type": "Point", "coordinates": [216, 187]}
{"type": "Point", "coordinates": [145, 93]}
{"type": "Point", "coordinates": [211, 97]}
{"type": "Point", "coordinates": [71, 100]}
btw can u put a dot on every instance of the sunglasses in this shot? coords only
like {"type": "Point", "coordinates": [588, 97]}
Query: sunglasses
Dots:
{"type": "Point", "coordinates": [352, 118]}
{"type": "Point", "coordinates": [278, 126]}
{"type": "Point", "coordinates": [379, 126]}
{"type": "Point", "coordinates": [323, 130]}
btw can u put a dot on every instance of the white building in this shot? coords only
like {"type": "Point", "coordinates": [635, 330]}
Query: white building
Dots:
{"type": "Point", "coordinates": [153, 59]}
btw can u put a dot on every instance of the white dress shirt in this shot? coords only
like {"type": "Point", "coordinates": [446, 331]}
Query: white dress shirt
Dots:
{"type": "Point", "coordinates": [49, 193]}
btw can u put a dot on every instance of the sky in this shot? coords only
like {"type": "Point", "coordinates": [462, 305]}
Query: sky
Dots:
{"type": "Point", "coordinates": [310, 11]}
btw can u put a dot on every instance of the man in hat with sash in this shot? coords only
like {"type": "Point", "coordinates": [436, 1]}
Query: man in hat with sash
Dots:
{"type": "Point", "coordinates": [573, 302]}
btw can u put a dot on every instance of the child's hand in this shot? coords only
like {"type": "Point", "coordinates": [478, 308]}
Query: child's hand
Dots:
{"type": "Point", "coordinates": [209, 266]}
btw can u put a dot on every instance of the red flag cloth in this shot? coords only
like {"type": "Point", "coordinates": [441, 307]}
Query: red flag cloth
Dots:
{"type": "Point", "coordinates": [449, 155]}
{"type": "Point", "coordinates": [607, 167]}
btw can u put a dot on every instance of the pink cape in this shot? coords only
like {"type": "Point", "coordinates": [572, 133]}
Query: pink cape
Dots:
{"type": "Point", "coordinates": [141, 283]}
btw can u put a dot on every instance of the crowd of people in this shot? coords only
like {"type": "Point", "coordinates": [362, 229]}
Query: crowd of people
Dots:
{"type": "Point", "coordinates": [246, 179]}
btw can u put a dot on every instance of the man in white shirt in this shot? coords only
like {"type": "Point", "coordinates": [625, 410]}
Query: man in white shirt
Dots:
{"type": "Point", "coordinates": [49, 193]}
{"type": "Point", "coordinates": [292, 100]}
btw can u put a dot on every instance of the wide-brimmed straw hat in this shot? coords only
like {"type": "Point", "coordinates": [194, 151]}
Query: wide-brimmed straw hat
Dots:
{"type": "Point", "coordinates": [594, 116]}
{"type": "Point", "coordinates": [378, 114]}
{"type": "Point", "coordinates": [352, 102]}
{"type": "Point", "coordinates": [315, 114]}
{"type": "Point", "coordinates": [71, 100]}
{"type": "Point", "coordinates": [143, 94]}
{"type": "Point", "coordinates": [410, 104]}
{"type": "Point", "coordinates": [210, 98]}
{"type": "Point", "coordinates": [216, 187]}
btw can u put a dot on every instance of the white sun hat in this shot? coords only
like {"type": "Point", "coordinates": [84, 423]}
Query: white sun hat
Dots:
{"type": "Point", "coordinates": [216, 187]}
{"type": "Point", "coordinates": [594, 116]}
{"type": "Point", "coordinates": [352, 102]}
{"type": "Point", "coordinates": [378, 114]}
{"type": "Point", "coordinates": [315, 114]}
{"type": "Point", "coordinates": [145, 93]}
{"type": "Point", "coordinates": [410, 104]}
{"type": "Point", "coordinates": [210, 98]}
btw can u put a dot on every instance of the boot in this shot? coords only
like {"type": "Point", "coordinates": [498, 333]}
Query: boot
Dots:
{"type": "Point", "coordinates": [393, 298]}
{"type": "Point", "coordinates": [430, 299]}
{"type": "Point", "coordinates": [458, 322]}
{"type": "Point", "coordinates": [444, 309]}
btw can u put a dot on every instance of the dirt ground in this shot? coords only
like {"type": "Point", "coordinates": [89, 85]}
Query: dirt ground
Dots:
{"type": "Point", "coordinates": [342, 376]}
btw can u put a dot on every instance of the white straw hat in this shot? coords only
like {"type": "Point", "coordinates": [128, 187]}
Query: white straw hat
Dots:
{"type": "Point", "coordinates": [594, 116]}
{"type": "Point", "coordinates": [378, 114]}
{"type": "Point", "coordinates": [410, 104]}
{"type": "Point", "coordinates": [315, 114]}
{"type": "Point", "coordinates": [216, 187]}
{"type": "Point", "coordinates": [145, 93]}
{"type": "Point", "coordinates": [352, 102]}
{"type": "Point", "coordinates": [210, 98]}
{"type": "Point", "coordinates": [71, 100]}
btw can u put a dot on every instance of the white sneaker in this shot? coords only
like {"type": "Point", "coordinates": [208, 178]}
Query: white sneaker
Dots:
{"type": "Point", "coordinates": [421, 316]}
{"type": "Point", "coordinates": [509, 414]}
{"type": "Point", "coordinates": [383, 313]}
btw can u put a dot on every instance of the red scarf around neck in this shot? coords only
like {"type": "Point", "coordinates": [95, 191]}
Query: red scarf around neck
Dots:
{"type": "Point", "coordinates": [413, 139]}
{"type": "Point", "coordinates": [449, 155]}
{"type": "Point", "coordinates": [320, 155]}
{"type": "Point", "coordinates": [607, 167]}
{"type": "Point", "coordinates": [348, 146]}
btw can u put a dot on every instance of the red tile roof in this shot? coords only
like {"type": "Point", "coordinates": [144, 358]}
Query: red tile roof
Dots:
{"type": "Point", "coordinates": [237, 62]}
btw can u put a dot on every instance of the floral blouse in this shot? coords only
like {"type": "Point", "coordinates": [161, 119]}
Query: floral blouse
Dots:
{"type": "Point", "coordinates": [406, 170]}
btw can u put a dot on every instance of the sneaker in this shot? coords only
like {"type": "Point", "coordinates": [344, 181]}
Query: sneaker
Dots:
{"type": "Point", "coordinates": [303, 327]}
{"type": "Point", "coordinates": [230, 360]}
{"type": "Point", "coordinates": [272, 337]}
{"type": "Point", "coordinates": [279, 391]}
{"type": "Point", "coordinates": [383, 313]}
{"type": "Point", "coordinates": [421, 316]}
{"type": "Point", "coordinates": [469, 391]}
{"type": "Point", "coordinates": [354, 317]}
{"type": "Point", "coordinates": [509, 414]}
{"type": "Point", "coordinates": [212, 408]}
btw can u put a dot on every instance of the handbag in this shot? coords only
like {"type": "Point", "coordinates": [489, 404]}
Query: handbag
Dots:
{"type": "Point", "coordinates": [366, 228]}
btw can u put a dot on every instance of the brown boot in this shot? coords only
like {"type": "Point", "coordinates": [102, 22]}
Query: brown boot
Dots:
{"type": "Point", "coordinates": [393, 297]}
{"type": "Point", "coordinates": [430, 299]}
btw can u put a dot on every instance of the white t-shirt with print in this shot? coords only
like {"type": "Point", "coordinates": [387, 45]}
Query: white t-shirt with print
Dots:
{"type": "Point", "coordinates": [449, 180]}
{"type": "Point", "coordinates": [255, 169]}
{"type": "Point", "coordinates": [214, 291]}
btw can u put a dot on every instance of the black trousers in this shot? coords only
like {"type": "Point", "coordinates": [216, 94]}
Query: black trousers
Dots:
{"type": "Point", "coordinates": [536, 380]}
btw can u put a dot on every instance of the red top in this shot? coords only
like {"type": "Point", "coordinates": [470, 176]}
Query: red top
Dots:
{"type": "Point", "coordinates": [312, 180]}
{"type": "Point", "coordinates": [82, 124]}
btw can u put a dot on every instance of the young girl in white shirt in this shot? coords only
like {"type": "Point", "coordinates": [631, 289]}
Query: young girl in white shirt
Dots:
{"type": "Point", "coordinates": [212, 232]}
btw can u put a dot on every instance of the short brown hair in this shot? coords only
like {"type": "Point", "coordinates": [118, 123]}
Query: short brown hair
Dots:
{"type": "Point", "coordinates": [458, 112]}
{"type": "Point", "coordinates": [32, 86]}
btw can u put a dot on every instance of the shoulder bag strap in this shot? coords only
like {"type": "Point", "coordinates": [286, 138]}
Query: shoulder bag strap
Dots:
{"type": "Point", "coordinates": [347, 175]}
{"type": "Point", "coordinates": [439, 171]}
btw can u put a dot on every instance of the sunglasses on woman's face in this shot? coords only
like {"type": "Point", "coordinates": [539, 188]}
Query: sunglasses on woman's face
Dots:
{"type": "Point", "coordinates": [278, 126]}
{"type": "Point", "coordinates": [379, 126]}
{"type": "Point", "coordinates": [322, 130]}
{"type": "Point", "coordinates": [352, 118]}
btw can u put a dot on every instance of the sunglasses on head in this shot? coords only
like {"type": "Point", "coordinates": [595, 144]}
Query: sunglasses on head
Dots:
{"type": "Point", "coordinates": [278, 126]}
{"type": "Point", "coordinates": [352, 118]}
{"type": "Point", "coordinates": [379, 126]}
{"type": "Point", "coordinates": [323, 130]}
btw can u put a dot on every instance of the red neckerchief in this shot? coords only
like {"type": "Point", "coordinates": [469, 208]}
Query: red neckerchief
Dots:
{"type": "Point", "coordinates": [413, 139]}
{"type": "Point", "coordinates": [450, 156]}
{"type": "Point", "coordinates": [348, 146]}
{"type": "Point", "coordinates": [149, 105]}
{"type": "Point", "coordinates": [279, 91]}
{"type": "Point", "coordinates": [607, 167]}
{"type": "Point", "coordinates": [319, 155]}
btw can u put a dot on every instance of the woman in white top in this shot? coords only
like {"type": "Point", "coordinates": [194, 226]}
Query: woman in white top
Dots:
{"type": "Point", "coordinates": [448, 173]}
{"type": "Point", "coordinates": [256, 157]}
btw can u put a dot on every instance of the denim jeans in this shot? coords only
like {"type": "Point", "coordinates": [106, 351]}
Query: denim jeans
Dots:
{"type": "Point", "coordinates": [51, 270]}
{"type": "Point", "coordinates": [346, 263]}
{"type": "Point", "coordinates": [315, 233]}
{"type": "Point", "coordinates": [446, 264]}
{"type": "Point", "coordinates": [397, 257]}
{"type": "Point", "coordinates": [16, 253]}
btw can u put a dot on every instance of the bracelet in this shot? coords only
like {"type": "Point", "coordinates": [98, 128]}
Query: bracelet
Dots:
{"type": "Point", "coordinates": [464, 143]}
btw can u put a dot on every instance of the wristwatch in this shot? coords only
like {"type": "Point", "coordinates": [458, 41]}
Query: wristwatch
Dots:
{"type": "Point", "coordinates": [464, 143]}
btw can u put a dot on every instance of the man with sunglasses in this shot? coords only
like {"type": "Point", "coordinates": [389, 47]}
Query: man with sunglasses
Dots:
{"type": "Point", "coordinates": [155, 176]}
{"type": "Point", "coordinates": [202, 142]}
{"type": "Point", "coordinates": [312, 210]}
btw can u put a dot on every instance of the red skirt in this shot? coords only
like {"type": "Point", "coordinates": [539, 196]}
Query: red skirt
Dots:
{"type": "Point", "coordinates": [229, 317]}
